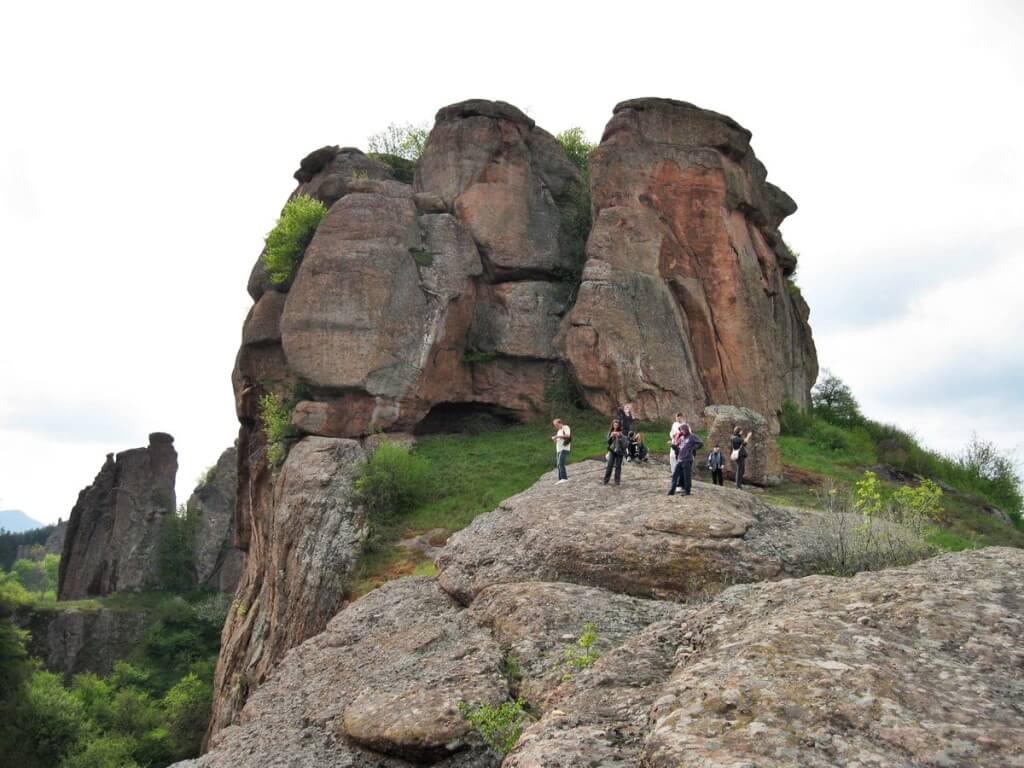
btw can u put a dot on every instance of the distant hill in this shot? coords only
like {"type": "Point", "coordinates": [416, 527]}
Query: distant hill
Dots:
{"type": "Point", "coordinates": [16, 521]}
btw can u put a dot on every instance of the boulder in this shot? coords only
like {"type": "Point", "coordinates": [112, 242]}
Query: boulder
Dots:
{"type": "Point", "coordinates": [114, 529]}
{"type": "Point", "coordinates": [218, 562]}
{"type": "Point", "coordinates": [290, 589]}
{"type": "Point", "coordinates": [380, 687]}
{"type": "Point", "coordinates": [683, 300]}
{"type": "Point", "coordinates": [632, 539]}
{"type": "Point", "coordinates": [764, 463]}
{"type": "Point", "coordinates": [820, 671]}
{"type": "Point", "coordinates": [535, 622]}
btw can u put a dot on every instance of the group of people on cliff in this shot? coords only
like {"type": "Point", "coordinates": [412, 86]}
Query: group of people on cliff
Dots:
{"type": "Point", "coordinates": [626, 445]}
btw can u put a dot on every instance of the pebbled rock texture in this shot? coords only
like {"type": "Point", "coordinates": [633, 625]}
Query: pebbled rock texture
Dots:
{"type": "Point", "coordinates": [112, 534]}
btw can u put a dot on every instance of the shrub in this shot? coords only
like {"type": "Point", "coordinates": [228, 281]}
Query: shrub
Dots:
{"type": "Point", "coordinates": [500, 727]}
{"type": "Point", "coordinates": [574, 202]}
{"type": "Point", "coordinates": [51, 717]}
{"type": "Point", "coordinates": [39, 576]}
{"type": "Point", "coordinates": [828, 436]}
{"type": "Point", "coordinates": [287, 241]}
{"type": "Point", "coordinates": [993, 472]}
{"type": "Point", "coordinates": [583, 654]}
{"type": "Point", "coordinates": [276, 419]}
{"type": "Point", "coordinates": [403, 168]}
{"type": "Point", "coordinates": [833, 400]}
{"type": "Point", "coordinates": [391, 483]}
{"type": "Point", "coordinates": [405, 141]}
{"type": "Point", "coordinates": [865, 531]}
{"type": "Point", "coordinates": [577, 148]}
{"type": "Point", "coordinates": [474, 357]}
{"type": "Point", "coordinates": [793, 420]}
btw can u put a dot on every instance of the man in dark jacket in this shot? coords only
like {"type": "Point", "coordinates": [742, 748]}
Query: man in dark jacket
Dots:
{"type": "Point", "coordinates": [739, 453]}
{"type": "Point", "coordinates": [682, 476]}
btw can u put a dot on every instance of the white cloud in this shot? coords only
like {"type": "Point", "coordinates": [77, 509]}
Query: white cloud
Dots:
{"type": "Point", "coordinates": [146, 149]}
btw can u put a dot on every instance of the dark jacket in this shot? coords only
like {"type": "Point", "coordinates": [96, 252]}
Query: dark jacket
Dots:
{"type": "Point", "coordinates": [738, 444]}
{"type": "Point", "coordinates": [618, 444]}
{"type": "Point", "coordinates": [687, 447]}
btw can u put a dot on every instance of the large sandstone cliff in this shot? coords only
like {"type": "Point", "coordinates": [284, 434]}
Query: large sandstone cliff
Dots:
{"type": "Point", "coordinates": [112, 534]}
{"type": "Point", "coordinates": [416, 306]}
{"type": "Point", "coordinates": [913, 666]}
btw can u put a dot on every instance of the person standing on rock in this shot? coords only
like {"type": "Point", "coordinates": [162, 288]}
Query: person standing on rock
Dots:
{"type": "Point", "coordinates": [739, 453]}
{"type": "Point", "coordinates": [626, 420]}
{"type": "Point", "coordinates": [715, 463]}
{"type": "Point", "coordinates": [618, 444]}
{"type": "Point", "coordinates": [682, 475]}
{"type": "Point", "coordinates": [673, 442]}
{"type": "Point", "coordinates": [563, 444]}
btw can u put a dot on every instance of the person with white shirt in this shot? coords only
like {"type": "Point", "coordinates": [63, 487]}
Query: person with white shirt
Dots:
{"type": "Point", "coordinates": [673, 441]}
{"type": "Point", "coordinates": [563, 444]}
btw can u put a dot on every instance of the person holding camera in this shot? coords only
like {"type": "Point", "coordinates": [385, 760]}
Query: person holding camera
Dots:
{"type": "Point", "coordinates": [618, 445]}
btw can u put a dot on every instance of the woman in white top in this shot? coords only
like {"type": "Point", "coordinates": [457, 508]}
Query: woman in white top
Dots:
{"type": "Point", "coordinates": [673, 437]}
{"type": "Point", "coordinates": [563, 444]}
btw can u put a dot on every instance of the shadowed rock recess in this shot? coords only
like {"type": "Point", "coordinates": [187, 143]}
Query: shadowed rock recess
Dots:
{"type": "Point", "coordinates": [912, 666]}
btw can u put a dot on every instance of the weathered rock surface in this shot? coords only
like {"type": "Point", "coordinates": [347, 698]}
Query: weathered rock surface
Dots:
{"type": "Point", "coordinates": [219, 563]}
{"type": "Point", "coordinates": [70, 641]}
{"type": "Point", "coordinates": [764, 463]}
{"type": "Point", "coordinates": [113, 531]}
{"type": "Point", "coordinates": [379, 687]}
{"type": "Point", "coordinates": [534, 622]}
{"type": "Point", "coordinates": [684, 301]}
{"type": "Point", "coordinates": [632, 539]}
{"type": "Point", "coordinates": [55, 541]}
{"type": "Point", "coordinates": [298, 569]}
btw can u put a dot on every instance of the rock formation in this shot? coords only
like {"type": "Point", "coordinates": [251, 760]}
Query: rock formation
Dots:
{"type": "Point", "coordinates": [817, 671]}
{"type": "Point", "coordinates": [219, 563]}
{"type": "Point", "coordinates": [55, 541]}
{"type": "Point", "coordinates": [299, 566]}
{"type": "Point", "coordinates": [764, 463]}
{"type": "Point", "coordinates": [70, 641]}
{"type": "Point", "coordinates": [684, 300]}
{"type": "Point", "coordinates": [416, 307]}
{"type": "Point", "coordinates": [113, 531]}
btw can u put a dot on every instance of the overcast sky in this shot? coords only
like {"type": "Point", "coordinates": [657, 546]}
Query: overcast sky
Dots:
{"type": "Point", "coordinates": [145, 152]}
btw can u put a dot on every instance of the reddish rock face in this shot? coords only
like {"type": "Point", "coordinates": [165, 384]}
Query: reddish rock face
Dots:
{"type": "Point", "coordinates": [684, 300]}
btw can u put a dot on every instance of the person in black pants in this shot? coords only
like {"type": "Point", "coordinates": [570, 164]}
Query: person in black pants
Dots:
{"type": "Point", "coordinates": [715, 463]}
{"type": "Point", "coordinates": [739, 453]}
{"type": "Point", "coordinates": [682, 476]}
{"type": "Point", "coordinates": [617, 447]}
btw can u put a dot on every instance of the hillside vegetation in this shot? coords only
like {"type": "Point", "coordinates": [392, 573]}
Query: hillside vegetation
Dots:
{"type": "Point", "coordinates": [461, 476]}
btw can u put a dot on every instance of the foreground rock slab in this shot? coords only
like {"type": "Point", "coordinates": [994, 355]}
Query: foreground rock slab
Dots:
{"type": "Point", "coordinates": [906, 667]}
{"type": "Point", "coordinates": [632, 539]}
{"type": "Point", "coordinates": [379, 687]}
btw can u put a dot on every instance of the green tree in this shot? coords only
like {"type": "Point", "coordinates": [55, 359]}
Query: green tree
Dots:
{"type": "Point", "coordinates": [578, 148]}
{"type": "Point", "coordinates": [110, 751]}
{"type": "Point", "coordinates": [401, 140]}
{"type": "Point", "coordinates": [187, 710]}
{"type": "Point", "coordinates": [833, 400]}
{"type": "Point", "coordinates": [176, 550]}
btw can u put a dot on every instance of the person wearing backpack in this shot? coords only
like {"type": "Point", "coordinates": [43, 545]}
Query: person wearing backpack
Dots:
{"type": "Point", "coordinates": [618, 444]}
{"type": "Point", "coordinates": [715, 463]}
{"type": "Point", "coordinates": [682, 476]}
{"type": "Point", "coordinates": [563, 444]}
{"type": "Point", "coordinates": [739, 453]}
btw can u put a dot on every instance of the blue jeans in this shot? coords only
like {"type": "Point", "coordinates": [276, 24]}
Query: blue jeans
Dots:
{"type": "Point", "coordinates": [682, 477]}
{"type": "Point", "coordinates": [560, 463]}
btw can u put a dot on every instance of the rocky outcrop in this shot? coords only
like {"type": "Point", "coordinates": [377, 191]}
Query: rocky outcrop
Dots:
{"type": "Point", "coordinates": [219, 563]}
{"type": "Point", "coordinates": [820, 671]}
{"type": "Point", "coordinates": [70, 641]}
{"type": "Point", "coordinates": [299, 566]}
{"type": "Point", "coordinates": [634, 539]}
{"type": "Point", "coordinates": [114, 529]}
{"type": "Point", "coordinates": [55, 541]}
{"type": "Point", "coordinates": [426, 306]}
{"type": "Point", "coordinates": [907, 666]}
{"type": "Point", "coordinates": [684, 300]}
{"type": "Point", "coordinates": [764, 462]}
